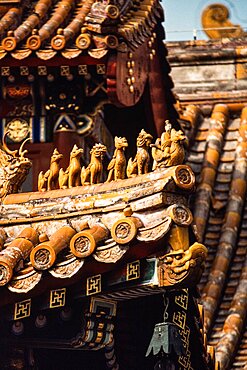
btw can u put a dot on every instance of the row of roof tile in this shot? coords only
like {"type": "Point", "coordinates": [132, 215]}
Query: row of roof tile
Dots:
{"type": "Point", "coordinates": [81, 25]}
{"type": "Point", "coordinates": [218, 157]}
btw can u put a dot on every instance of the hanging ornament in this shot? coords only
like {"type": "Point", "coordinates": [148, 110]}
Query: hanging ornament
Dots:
{"type": "Point", "coordinates": [165, 340]}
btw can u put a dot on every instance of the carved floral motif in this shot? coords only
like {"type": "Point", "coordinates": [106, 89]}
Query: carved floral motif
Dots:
{"type": "Point", "coordinates": [42, 257]}
{"type": "Point", "coordinates": [25, 282]}
{"type": "Point", "coordinates": [67, 269]}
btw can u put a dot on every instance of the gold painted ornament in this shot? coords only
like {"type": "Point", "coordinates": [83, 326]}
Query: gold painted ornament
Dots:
{"type": "Point", "coordinates": [17, 130]}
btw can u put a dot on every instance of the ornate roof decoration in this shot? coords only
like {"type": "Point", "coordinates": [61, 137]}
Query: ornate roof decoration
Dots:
{"type": "Point", "coordinates": [76, 229]}
{"type": "Point", "coordinates": [14, 168]}
{"type": "Point", "coordinates": [75, 217]}
{"type": "Point", "coordinates": [216, 23]}
{"type": "Point", "coordinates": [71, 27]}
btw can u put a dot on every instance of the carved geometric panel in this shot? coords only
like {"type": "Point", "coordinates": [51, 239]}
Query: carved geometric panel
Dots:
{"type": "Point", "coordinates": [64, 70]}
{"type": "Point", "coordinates": [22, 309]}
{"type": "Point", "coordinates": [93, 285]}
{"type": "Point", "coordinates": [185, 361]}
{"type": "Point", "coordinates": [100, 69]}
{"type": "Point", "coordinates": [133, 270]}
{"type": "Point", "coordinates": [24, 71]}
{"type": "Point", "coordinates": [5, 71]}
{"type": "Point", "coordinates": [42, 70]}
{"type": "Point", "coordinates": [57, 298]}
{"type": "Point", "coordinates": [82, 69]}
{"type": "Point", "coordinates": [179, 318]}
{"type": "Point", "coordinates": [182, 300]}
{"type": "Point", "coordinates": [103, 306]}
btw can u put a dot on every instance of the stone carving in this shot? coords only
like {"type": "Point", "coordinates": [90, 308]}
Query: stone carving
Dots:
{"type": "Point", "coordinates": [169, 149]}
{"type": "Point", "coordinates": [139, 165]}
{"type": "Point", "coordinates": [14, 168]}
{"type": "Point", "coordinates": [117, 165]}
{"type": "Point", "coordinates": [71, 177]}
{"type": "Point", "coordinates": [49, 179]}
{"type": "Point", "coordinates": [93, 173]}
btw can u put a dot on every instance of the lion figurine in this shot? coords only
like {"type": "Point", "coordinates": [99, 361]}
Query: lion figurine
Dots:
{"type": "Point", "coordinates": [140, 164]}
{"type": "Point", "coordinates": [93, 173]}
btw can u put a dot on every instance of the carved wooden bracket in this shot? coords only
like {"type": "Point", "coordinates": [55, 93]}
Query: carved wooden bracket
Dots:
{"type": "Point", "coordinates": [98, 331]}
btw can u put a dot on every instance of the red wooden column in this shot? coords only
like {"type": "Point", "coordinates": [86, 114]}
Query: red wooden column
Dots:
{"type": "Point", "coordinates": [157, 89]}
{"type": "Point", "coordinates": [64, 139]}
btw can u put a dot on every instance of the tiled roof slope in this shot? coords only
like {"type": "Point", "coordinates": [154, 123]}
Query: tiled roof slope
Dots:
{"type": "Point", "coordinates": [83, 25]}
{"type": "Point", "coordinates": [218, 156]}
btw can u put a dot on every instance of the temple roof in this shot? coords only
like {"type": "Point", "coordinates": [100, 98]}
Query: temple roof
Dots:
{"type": "Point", "coordinates": [71, 27]}
{"type": "Point", "coordinates": [218, 157]}
{"type": "Point", "coordinates": [84, 217]}
{"type": "Point", "coordinates": [210, 88]}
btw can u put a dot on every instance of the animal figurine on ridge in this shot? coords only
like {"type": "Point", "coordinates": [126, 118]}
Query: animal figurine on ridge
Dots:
{"type": "Point", "coordinates": [71, 177]}
{"type": "Point", "coordinates": [49, 179]}
{"type": "Point", "coordinates": [169, 149]}
{"type": "Point", "coordinates": [117, 165]}
{"type": "Point", "coordinates": [140, 164]}
{"type": "Point", "coordinates": [93, 173]}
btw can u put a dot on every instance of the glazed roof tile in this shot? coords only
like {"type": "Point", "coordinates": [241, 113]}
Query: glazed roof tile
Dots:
{"type": "Point", "coordinates": [220, 210]}
{"type": "Point", "coordinates": [51, 219]}
{"type": "Point", "coordinates": [72, 26]}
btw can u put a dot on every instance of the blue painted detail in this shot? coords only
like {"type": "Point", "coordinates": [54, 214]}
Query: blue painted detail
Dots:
{"type": "Point", "coordinates": [64, 121]}
{"type": "Point", "coordinates": [36, 129]}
